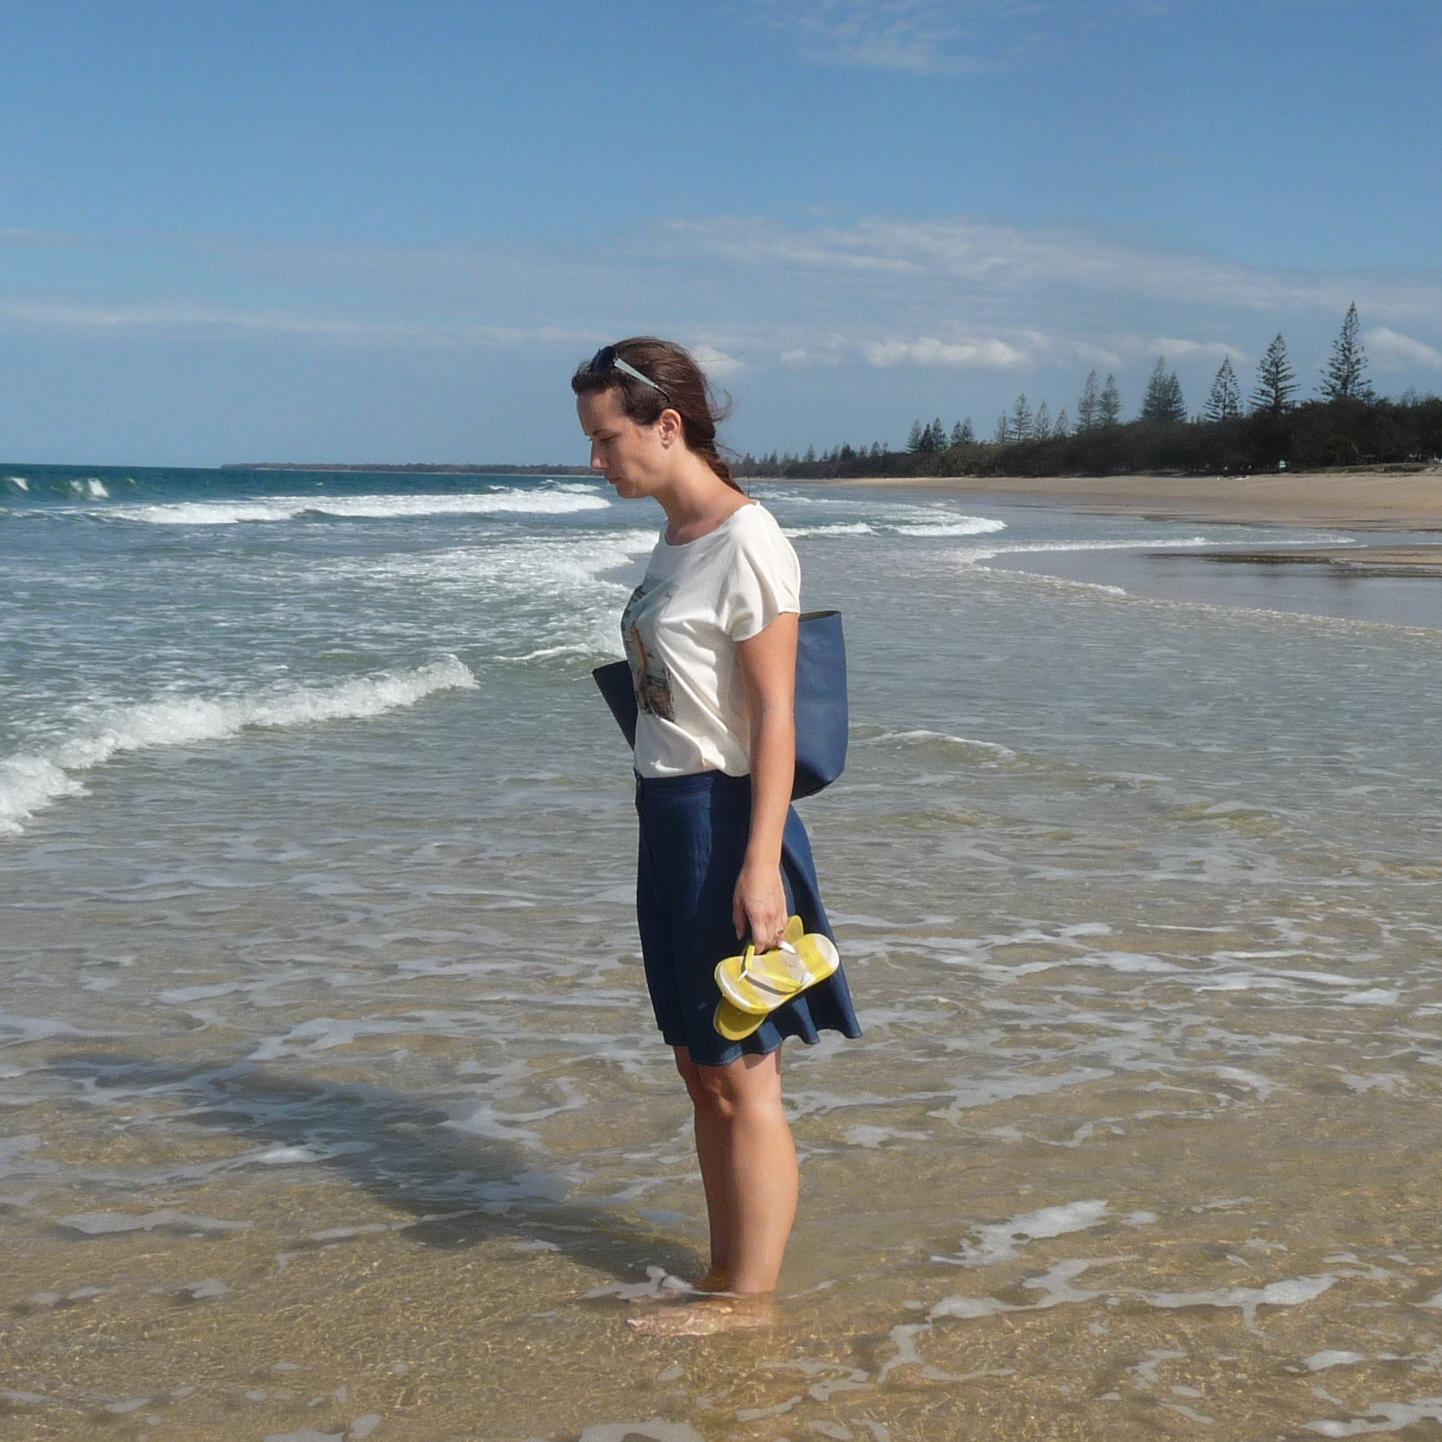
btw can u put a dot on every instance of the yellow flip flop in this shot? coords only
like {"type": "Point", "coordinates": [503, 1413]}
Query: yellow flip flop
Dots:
{"type": "Point", "coordinates": [755, 984]}
{"type": "Point", "coordinates": [730, 1021]}
{"type": "Point", "coordinates": [732, 1024]}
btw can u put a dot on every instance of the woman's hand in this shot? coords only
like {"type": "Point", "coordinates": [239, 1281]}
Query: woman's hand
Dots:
{"type": "Point", "coordinates": [758, 908]}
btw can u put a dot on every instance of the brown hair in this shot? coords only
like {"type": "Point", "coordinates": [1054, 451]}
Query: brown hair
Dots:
{"type": "Point", "coordinates": [687, 392]}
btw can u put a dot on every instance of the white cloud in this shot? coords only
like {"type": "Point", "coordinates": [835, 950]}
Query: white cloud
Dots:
{"type": "Point", "coordinates": [798, 357]}
{"type": "Point", "coordinates": [1171, 345]}
{"type": "Point", "coordinates": [716, 363]}
{"type": "Point", "coordinates": [919, 37]}
{"type": "Point", "coordinates": [985, 354]}
{"type": "Point", "coordinates": [1002, 264]}
{"type": "Point", "coordinates": [49, 315]}
{"type": "Point", "coordinates": [888, 294]}
{"type": "Point", "coordinates": [759, 242]}
{"type": "Point", "coordinates": [1174, 348]}
{"type": "Point", "coordinates": [1394, 351]}
{"type": "Point", "coordinates": [1001, 351]}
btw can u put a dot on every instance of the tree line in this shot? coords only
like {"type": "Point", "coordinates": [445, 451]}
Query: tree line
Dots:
{"type": "Point", "coordinates": [1345, 423]}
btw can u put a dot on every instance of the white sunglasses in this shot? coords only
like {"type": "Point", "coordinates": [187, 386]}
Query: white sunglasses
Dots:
{"type": "Point", "coordinates": [606, 359]}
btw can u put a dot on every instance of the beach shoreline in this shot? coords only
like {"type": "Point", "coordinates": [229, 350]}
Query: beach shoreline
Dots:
{"type": "Point", "coordinates": [1358, 501]}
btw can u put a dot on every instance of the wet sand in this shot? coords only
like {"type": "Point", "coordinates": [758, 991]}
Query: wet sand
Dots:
{"type": "Point", "coordinates": [335, 1107]}
{"type": "Point", "coordinates": [1374, 585]}
{"type": "Point", "coordinates": [1364, 561]}
{"type": "Point", "coordinates": [1361, 501]}
{"type": "Point", "coordinates": [1354, 500]}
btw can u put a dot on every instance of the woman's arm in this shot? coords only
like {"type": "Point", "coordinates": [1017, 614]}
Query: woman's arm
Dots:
{"type": "Point", "coordinates": [768, 668]}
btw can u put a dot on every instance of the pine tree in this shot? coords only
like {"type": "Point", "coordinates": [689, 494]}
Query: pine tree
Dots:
{"type": "Point", "coordinates": [1062, 426]}
{"type": "Point", "coordinates": [1176, 406]}
{"type": "Point", "coordinates": [1346, 375]}
{"type": "Point", "coordinates": [1002, 435]}
{"type": "Point", "coordinates": [1109, 407]}
{"type": "Point", "coordinates": [1021, 421]}
{"type": "Point", "coordinates": [1163, 400]}
{"type": "Point", "coordinates": [914, 442]}
{"type": "Point", "coordinates": [1225, 401]}
{"type": "Point", "coordinates": [968, 435]}
{"type": "Point", "coordinates": [1041, 427]}
{"type": "Point", "coordinates": [810, 455]}
{"type": "Point", "coordinates": [957, 439]}
{"type": "Point", "coordinates": [1088, 410]}
{"type": "Point", "coordinates": [938, 435]}
{"type": "Point", "coordinates": [1276, 383]}
{"type": "Point", "coordinates": [1154, 401]}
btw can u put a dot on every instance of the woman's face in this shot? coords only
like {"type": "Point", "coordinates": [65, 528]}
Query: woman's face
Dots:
{"type": "Point", "coordinates": [633, 458]}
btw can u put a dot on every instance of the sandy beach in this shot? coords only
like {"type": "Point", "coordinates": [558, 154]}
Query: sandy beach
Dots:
{"type": "Point", "coordinates": [336, 1106]}
{"type": "Point", "coordinates": [1366, 561]}
{"type": "Point", "coordinates": [1349, 501]}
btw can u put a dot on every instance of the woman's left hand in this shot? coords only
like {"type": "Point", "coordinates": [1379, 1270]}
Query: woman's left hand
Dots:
{"type": "Point", "coordinates": [758, 908]}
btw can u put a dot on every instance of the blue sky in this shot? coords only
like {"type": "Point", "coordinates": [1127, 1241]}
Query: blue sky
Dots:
{"type": "Point", "coordinates": [385, 231]}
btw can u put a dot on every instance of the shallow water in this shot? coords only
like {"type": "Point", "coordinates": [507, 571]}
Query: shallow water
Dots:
{"type": "Point", "coordinates": [335, 1109]}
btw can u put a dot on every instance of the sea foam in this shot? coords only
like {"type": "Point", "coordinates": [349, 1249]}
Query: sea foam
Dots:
{"type": "Point", "coordinates": [998, 1241]}
{"type": "Point", "coordinates": [941, 739]}
{"type": "Point", "coordinates": [943, 523]}
{"type": "Point", "coordinates": [961, 526]}
{"type": "Point", "coordinates": [547, 597]}
{"type": "Point", "coordinates": [974, 555]}
{"type": "Point", "coordinates": [515, 500]}
{"type": "Point", "coordinates": [31, 780]}
{"type": "Point", "coordinates": [838, 528]}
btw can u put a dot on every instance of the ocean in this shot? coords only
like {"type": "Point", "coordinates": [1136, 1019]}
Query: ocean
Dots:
{"type": "Point", "coordinates": [334, 1106]}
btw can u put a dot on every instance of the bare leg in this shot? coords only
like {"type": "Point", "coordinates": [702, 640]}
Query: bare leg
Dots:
{"type": "Point", "coordinates": [711, 1153]}
{"type": "Point", "coordinates": [748, 1162]}
{"type": "Point", "coordinates": [760, 1171]}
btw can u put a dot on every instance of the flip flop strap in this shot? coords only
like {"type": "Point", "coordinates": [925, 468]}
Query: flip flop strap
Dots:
{"type": "Point", "coordinates": [761, 982]}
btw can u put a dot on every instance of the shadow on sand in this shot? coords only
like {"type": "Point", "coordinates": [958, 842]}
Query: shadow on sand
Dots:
{"type": "Point", "coordinates": [462, 1190]}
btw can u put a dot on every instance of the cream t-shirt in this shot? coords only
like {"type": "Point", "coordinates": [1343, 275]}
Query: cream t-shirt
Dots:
{"type": "Point", "coordinates": [680, 630]}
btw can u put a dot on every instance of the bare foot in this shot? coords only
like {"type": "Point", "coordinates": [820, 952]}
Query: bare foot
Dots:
{"type": "Point", "coordinates": [672, 1291]}
{"type": "Point", "coordinates": [707, 1317]}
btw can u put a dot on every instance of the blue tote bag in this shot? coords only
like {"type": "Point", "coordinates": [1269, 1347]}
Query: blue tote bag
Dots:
{"type": "Point", "coordinates": [821, 715]}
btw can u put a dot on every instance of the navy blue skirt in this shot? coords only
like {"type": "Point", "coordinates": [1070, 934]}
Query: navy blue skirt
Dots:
{"type": "Point", "coordinates": [694, 831]}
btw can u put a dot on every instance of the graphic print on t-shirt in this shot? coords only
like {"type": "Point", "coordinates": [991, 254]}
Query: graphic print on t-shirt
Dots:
{"type": "Point", "coordinates": [649, 677]}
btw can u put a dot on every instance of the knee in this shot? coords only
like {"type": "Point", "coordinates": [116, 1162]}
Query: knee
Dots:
{"type": "Point", "coordinates": [710, 1090]}
{"type": "Point", "coordinates": [741, 1086]}
{"type": "Point", "coordinates": [690, 1073]}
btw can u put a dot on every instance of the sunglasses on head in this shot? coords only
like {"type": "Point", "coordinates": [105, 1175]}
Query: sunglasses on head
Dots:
{"type": "Point", "coordinates": [606, 359]}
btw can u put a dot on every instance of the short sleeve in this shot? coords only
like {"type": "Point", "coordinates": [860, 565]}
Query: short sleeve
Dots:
{"type": "Point", "coordinates": [764, 580]}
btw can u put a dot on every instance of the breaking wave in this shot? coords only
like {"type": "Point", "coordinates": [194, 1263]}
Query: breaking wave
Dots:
{"type": "Point", "coordinates": [32, 780]}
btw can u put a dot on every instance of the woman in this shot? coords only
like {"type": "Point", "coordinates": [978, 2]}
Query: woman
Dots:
{"type": "Point", "coordinates": [710, 634]}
